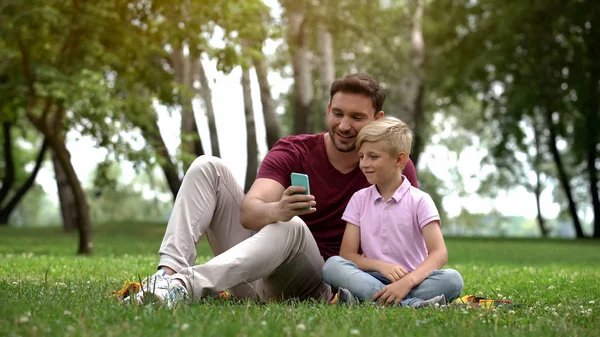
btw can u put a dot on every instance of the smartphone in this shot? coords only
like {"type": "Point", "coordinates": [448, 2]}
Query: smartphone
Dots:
{"type": "Point", "coordinates": [300, 179]}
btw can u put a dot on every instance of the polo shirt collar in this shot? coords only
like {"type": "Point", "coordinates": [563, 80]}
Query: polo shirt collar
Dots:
{"type": "Point", "coordinates": [400, 192]}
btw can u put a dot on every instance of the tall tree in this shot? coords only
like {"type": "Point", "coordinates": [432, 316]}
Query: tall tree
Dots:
{"type": "Point", "coordinates": [537, 64]}
{"type": "Point", "coordinates": [326, 63]}
{"type": "Point", "coordinates": [206, 94]}
{"type": "Point", "coordinates": [266, 99]}
{"type": "Point", "coordinates": [66, 197]}
{"type": "Point", "coordinates": [412, 85]}
{"type": "Point", "coordinates": [186, 67]}
{"type": "Point", "coordinates": [251, 146]}
{"type": "Point", "coordinates": [297, 40]}
{"type": "Point", "coordinates": [13, 189]}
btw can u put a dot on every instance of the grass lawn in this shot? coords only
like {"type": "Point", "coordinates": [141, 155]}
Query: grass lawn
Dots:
{"type": "Point", "coordinates": [45, 290]}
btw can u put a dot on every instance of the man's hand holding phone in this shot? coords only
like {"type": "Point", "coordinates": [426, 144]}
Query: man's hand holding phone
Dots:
{"type": "Point", "coordinates": [296, 199]}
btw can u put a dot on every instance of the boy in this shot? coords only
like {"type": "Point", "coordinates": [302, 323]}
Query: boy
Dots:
{"type": "Point", "coordinates": [396, 225]}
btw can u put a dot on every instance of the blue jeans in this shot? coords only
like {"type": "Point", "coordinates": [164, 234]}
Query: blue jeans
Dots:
{"type": "Point", "coordinates": [339, 272]}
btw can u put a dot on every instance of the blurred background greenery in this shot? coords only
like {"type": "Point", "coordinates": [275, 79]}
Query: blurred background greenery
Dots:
{"type": "Point", "coordinates": [105, 104]}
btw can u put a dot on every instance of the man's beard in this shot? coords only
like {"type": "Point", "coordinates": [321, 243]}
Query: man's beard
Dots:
{"type": "Point", "coordinates": [333, 135]}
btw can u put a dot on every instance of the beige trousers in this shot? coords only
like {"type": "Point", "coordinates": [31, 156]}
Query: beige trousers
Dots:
{"type": "Point", "coordinates": [281, 261]}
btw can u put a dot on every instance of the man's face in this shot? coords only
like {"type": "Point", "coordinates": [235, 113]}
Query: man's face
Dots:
{"type": "Point", "coordinates": [346, 115]}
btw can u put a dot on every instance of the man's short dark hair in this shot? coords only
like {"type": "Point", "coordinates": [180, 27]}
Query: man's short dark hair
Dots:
{"type": "Point", "coordinates": [360, 83]}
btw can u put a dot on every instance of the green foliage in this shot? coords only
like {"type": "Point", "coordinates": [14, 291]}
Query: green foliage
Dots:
{"type": "Point", "coordinates": [36, 209]}
{"type": "Point", "coordinates": [112, 198]}
{"type": "Point", "coordinates": [554, 288]}
{"type": "Point", "coordinates": [126, 203]}
{"type": "Point", "coordinates": [430, 184]}
{"type": "Point", "coordinates": [522, 62]}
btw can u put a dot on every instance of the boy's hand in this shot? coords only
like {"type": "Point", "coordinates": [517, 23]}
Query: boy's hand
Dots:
{"type": "Point", "coordinates": [392, 293]}
{"type": "Point", "coordinates": [392, 271]}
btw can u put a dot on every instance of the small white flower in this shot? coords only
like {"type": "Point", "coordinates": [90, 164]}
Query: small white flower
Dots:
{"type": "Point", "coordinates": [591, 302]}
{"type": "Point", "coordinates": [511, 312]}
{"type": "Point", "coordinates": [23, 319]}
{"type": "Point", "coordinates": [354, 332]}
{"type": "Point", "coordinates": [185, 326]}
{"type": "Point", "coordinates": [67, 312]}
{"type": "Point", "coordinates": [263, 323]}
{"type": "Point", "coordinates": [301, 326]}
{"type": "Point", "coordinates": [70, 328]}
{"type": "Point", "coordinates": [531, 282]}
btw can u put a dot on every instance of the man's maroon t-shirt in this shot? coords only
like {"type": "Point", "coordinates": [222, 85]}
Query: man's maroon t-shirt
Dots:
{"type": "Point", "coordinates": [331, 188]}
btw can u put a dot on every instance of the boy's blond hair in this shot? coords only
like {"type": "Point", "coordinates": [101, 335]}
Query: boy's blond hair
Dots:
{"type": "Point", "coordinates": [392, 132]}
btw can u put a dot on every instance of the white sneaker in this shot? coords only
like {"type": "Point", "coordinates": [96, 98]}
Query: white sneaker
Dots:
{"type": "Point", "coordinates": [345, 297]}
{"type": "Point", "coordinates": [434, 302]}
{"type": "Point", "coordinates": [161, 288]}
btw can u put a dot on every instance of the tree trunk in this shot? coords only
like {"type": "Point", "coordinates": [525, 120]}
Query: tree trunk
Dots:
{"type": "Point", "coordinates": [326, 68]}
{"type": "Point", "coordinates": [412, 87]}
{"type": "Point", "coordinates": [592, 112]}
{"type": "Point", "coordinates": [206, 95]}
{"type": "Point", "coordinates": [266, 99]}
{"type": "Point", "coordinates": [538, 184]}
{"type": "Point", "coordinates": [151, 133]}
{"type": "Point", "coordinates": [68, 209]}
{"type": "Point", "coordinates": [84, 220]}
{"type": "Point", "coordinates": [9, 177]}
{"type": "Point", "coordinates": [303, 87]}
{"type": "Point", "coordinates": [593, 173]}
{"type": "Point", "coordinates": [562, 174]}
{"type": "Point", "coordinates": [6, 211]}
{"type": "Point", "coordinates": [251, 146]}
{"type": "Point", "coordinates": [57, 143]}
{"type": "Point", "coordinates": [540, 217]}
{"type": "Point", "coordinates": [191, 146]}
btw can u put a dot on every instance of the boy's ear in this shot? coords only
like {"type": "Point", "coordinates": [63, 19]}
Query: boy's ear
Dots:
{"type": "Point", "coordinates": [402, 159]}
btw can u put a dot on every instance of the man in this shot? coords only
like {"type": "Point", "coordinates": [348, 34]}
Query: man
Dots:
{"type": "Point", "coordinates": [270, 244]}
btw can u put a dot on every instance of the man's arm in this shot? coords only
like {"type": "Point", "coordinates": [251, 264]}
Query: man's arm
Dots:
{"type": "Point", "coordinates": [268, 202]}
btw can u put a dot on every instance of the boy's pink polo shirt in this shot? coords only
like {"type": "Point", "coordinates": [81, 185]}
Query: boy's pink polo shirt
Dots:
{"type": "Point", "coordinates": [392, 230]}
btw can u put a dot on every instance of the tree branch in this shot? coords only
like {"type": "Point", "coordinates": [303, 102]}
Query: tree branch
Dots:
{"type": "Point", "coordinates": [27, 71]}
{"type": "Point", "coordinates": [71, 38]}
{"type": "Point", "coordinates": [9, 178]}
{"type": "Point", "coordinates": [20, 193]}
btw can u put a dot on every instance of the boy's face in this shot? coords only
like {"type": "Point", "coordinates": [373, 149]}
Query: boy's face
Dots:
{"type": "Point", "coordinates": [377, 164]}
